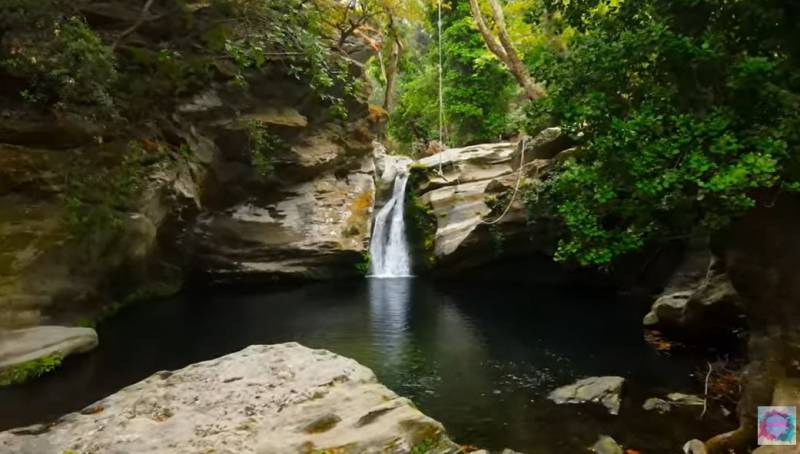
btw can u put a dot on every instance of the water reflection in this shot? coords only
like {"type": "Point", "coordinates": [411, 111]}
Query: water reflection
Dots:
{"type": "Point", "coordinates": [478, 360]}
{"type": "Point", "coordinates": [389, 309]}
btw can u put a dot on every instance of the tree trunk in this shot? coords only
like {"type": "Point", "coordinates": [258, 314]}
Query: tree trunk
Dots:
{"type": "Point", "coordinates": [391, 75]}
{"type": "Point", "coordinates": [504, 49]}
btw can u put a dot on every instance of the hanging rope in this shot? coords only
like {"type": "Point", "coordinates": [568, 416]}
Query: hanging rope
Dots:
{"type": "Point", "coordinates": [520, 172]}
{"type": "Point", "coordinates": [441, 94]}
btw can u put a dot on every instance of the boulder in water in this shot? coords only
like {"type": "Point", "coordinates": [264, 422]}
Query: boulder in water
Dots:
{"type": "Point", "coordinates": [656, 404]}
{"type": "Point", "coordinates": [695, 447]}
{"type": "Point", "coordinates": [603, 390]}
{"type": "Point", "coordinates": [24, 345]}
{"type": "Point", "coordinates": [606, 445]}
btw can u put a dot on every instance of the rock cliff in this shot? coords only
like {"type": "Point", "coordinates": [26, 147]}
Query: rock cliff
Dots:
{"type": "Point", "coordinates": [466, 194]}
{"type": "Point", "coordinates": [97, 211]}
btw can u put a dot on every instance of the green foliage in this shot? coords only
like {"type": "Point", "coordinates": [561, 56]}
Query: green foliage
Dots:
{"type": "Point", "coordinates": [477, 88]}
{"type": "Point", "coordinates": [263, 146]}
{"type": "Point", "coordinates": [424, 446]}
{"type": "Point", "coordinates": [101, 199]}
{"type": "Point", "coordinates": [154, 291]}
{"type": "Point", "coordinates": [30, 370]}
{"type": "Point", "coordinates": [498, 239]}
{"type": "Point", "coordinates": [291, 34]}
{"type": "Point", "coordinates": [683, 109]}
{"type": "Point", "coordinates": [64, 63]}
{"type": "Point", "coordinates": [421, 224]}
{"type": "Point", "coordinates": [364, 265]}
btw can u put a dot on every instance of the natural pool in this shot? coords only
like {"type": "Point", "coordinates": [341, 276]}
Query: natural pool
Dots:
{"type": "Point", "coordinates": [478, 357]}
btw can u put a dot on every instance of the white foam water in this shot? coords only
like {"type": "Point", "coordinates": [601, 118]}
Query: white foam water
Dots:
{"type": "Point", "coordinates": [388, 250]}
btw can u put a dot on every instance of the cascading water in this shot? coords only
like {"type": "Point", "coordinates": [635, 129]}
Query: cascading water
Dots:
{"type": "Point", "coordinates": [389, 249]}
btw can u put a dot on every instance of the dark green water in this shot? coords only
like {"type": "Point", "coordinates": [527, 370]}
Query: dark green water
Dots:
{"type": "Point", "coordinates": [479, 358]}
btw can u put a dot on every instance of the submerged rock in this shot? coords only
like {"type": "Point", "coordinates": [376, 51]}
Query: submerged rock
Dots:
{"type": "Point", "coordinates": [694, 447]}
{"type": "Point", "coordinates": [603, 390]}
{"type": "Point", "coordinates": [656, 404]}
{"type": "Point", "coordinates": [672, 400]}
{"type": "Point", "coordinates": [24, 345]}
{"type": "Point", "coordinates": [686, 400]}
{"type": "Point", "coordinates": [274, 399]}
{"type": "Point", "coordinates": [606, 445]}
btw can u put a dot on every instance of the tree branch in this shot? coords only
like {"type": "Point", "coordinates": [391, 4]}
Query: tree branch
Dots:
{"type": "Point", "coordinates": [136, 25]}
{"type": "Point", "coordinates": [504, 49]}
{"type": "Point", "coordinates": [533, 90]}
{"type": "Point", "coordinates": [488, 37]}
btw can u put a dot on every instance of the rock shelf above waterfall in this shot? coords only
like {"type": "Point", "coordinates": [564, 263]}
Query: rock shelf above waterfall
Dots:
{"type": "Point", "coordinates": [459, 185]}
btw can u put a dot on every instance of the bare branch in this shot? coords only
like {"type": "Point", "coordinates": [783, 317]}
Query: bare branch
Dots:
{"type": "Point", "coordinates": [136, 25]}
{"type": "Point", "coordinates": [705, 393]}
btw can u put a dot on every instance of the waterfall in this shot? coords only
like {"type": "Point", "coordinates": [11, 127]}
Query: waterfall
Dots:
{"type": "Point", "coordinates": [389, 249]}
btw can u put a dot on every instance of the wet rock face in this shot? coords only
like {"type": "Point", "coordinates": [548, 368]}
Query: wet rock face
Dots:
{"type": "Point", "coordinates": [310, 220]}
{"type": "Point", "coordinates": [603, 390]}
{"type": "Point", "coordinates": [211, 216]}
{"type": "Point", "coordinates": [49, 275]}
{"type": "Point", "coordinates": [278, 399]}
{"type": "Point", "coordinates": [316, 230]}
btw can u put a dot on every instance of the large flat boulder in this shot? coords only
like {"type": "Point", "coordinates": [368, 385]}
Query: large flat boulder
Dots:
{"type": "Point", "coordinates": [265, 399]}
{"type": "Point", "coordinates": [23, 345]}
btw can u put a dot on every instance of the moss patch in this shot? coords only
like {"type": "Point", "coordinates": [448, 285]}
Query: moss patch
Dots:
{"type": "Point", "coordinates": [418, 174]}
{"type": "Point", "coordinates": [359, 215]}
{"type": "Point", "coordinates": [30, 370]}
{"type": "Point", "coordinates": [421, 226]}
{"type": "Point", "coordinates": [364, 264]}
{"type": "Point", "coordinates": [147, 293]}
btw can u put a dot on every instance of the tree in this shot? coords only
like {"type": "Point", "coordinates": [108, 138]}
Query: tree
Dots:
{"type": "Point", "coordinates": [394, 63]}
{"type": "Point", "coordinates": [477, 88]}
{"type": "Point", "coordinates": [683, 109]}
{"type": "Point", "coordinates": [502, 47]}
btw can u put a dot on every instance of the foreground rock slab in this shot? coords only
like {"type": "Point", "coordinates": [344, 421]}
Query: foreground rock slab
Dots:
{"type": "Point", "coordinates": [278, 399]}
{"type": "Point", "coordinates": [23, 345]}
{"type": "Point", "coordinates": [603, 390]}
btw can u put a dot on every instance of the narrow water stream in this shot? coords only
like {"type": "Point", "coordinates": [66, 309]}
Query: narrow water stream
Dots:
{"type": "Point", "coordinates": [389, 252]}
{"type": "Point", "coordinates": [479, 358]}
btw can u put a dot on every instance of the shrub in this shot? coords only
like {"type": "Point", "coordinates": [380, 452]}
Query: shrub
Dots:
{"type": "Point", "coordinates": [65, 65]}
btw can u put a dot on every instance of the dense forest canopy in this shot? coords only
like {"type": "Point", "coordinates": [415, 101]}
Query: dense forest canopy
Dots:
{"type": "Point", "coordinates": [681, 110]}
